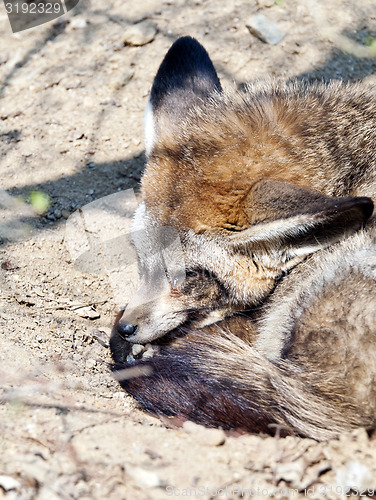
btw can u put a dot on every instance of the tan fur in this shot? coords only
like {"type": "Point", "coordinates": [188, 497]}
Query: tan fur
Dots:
{"type": "Point", "coordinates": [320, 137]}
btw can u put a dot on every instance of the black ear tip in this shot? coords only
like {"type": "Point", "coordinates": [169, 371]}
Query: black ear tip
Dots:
{"type": "Point", "coordinates": [186, 45]}
{"type": "Point", "coordinates": [366, 206]}
{"type": "Point", "coordinates": [186, 41]}
{"type": "Point", "coordinates": [188, 55]}
{"type": "Point", "coordinates": [356, 208]}
{"type": "Point", "coordinates": [186, 68]}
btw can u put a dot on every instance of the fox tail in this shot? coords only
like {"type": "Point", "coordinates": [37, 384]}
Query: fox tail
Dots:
{"type": "Point", "coordinates": [214, 378]}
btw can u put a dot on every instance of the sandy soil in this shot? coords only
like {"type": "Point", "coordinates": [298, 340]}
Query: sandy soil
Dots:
{"type": "Point", "coordinates": [72, 98]}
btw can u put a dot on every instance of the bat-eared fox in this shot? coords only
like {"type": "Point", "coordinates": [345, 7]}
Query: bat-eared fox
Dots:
{"type": "Point", "coordinates": [256, 248]}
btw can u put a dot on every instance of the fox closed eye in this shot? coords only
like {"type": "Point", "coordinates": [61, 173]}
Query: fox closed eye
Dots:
{"type": "Point", "coordinates": [201, 274]}
{"type": "Point", "coordinates": [178, 280]}
{"type": "Point", "coordinates": [193, 274]}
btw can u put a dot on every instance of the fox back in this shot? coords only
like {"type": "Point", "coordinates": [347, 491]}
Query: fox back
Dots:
{"type": "Point", "coordinates": [251, 182]}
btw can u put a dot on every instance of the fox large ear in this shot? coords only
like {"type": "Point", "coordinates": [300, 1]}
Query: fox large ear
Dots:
{"type": "Point", "coordinates": [289, 221]}
{"type": "Point", "coordinates": [185, 77]}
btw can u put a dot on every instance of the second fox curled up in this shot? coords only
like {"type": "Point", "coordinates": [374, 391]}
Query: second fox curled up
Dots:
{"type": "Point", "coordinates": [273, 322]}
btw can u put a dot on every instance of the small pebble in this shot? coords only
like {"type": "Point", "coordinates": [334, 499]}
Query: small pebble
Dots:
{"type": "Point", "coordinates": [123, 80]}
{"type": "Point", "coordinates": [119, 395]}
{"type": "Point", "coordinates": [354, 474]}
{"type": "Point", "coordinates": [291, 472]}
{"type": "Point", "coordinates": [90, 363]}
{"type": "Point", "coordinates": [144, 478]}
{"type": "Point", "coordinates": [265, 29]}
{"type": "Point", "coordinates": [78, 23]}
{"type": "Point", "coordinates": [8, 483]}
{"type": "Point", "coordinates": [210, 437]}
{"type": "Point", "coordinates": [101, 337]}
{"type": "Point", "coordinates": [265, 3]}
{"type": "Point", "coordinates": [76, 135]}
{"type": "Point", "coordinates": [140, 33]}
{"type": "Point", "coordinates": [74, 83]}
{"type": "Point", "coordinates": [87, 312]}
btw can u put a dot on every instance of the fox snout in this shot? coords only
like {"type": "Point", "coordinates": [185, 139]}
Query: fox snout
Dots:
{"type": "Point", "coordinates": [158, 308]}
{"type": "Point", "coordinates": [146, 322]}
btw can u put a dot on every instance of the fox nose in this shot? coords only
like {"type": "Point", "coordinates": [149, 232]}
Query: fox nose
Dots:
{"type": "Point", "coordinates": [126, 329]}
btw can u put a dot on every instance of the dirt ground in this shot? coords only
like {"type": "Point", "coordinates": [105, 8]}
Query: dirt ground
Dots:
{"type": "Point", "coordinates": [72, 98]}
